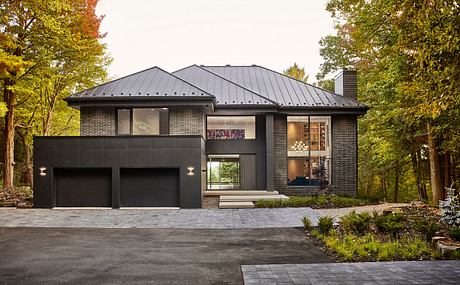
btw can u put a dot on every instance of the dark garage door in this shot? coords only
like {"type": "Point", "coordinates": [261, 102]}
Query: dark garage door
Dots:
{"type": "Point", "coordinates": [78, 187]}
{"type": "Point", "coordinates": [150, 187]}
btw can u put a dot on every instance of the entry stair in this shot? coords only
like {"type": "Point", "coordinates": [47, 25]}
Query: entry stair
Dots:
{"type": "Point", "coordinates": [243, 199]}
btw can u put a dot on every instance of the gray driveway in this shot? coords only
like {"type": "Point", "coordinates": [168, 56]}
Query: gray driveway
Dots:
{"type": "Point", "coordinates": [144, 256]}
{"type": "Point", "coordinates": [401, 272]}
{"type": "Point", "coordinates": [149, 218]}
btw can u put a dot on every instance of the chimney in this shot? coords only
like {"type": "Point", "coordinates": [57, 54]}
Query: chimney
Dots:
{"type": "Point", "coordinates": [346, 84]}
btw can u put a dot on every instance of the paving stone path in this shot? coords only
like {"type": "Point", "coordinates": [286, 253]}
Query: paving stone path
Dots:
{"type": "Point", "coordinates": [402, 272]}
{"type": "Point", "coordinates": [149, 218]}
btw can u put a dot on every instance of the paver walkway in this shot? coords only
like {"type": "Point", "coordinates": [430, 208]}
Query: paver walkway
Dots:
{"type": "Point", "coordinates": [402, 272]}
{"type": "Point", "coordinates": [149, 218]}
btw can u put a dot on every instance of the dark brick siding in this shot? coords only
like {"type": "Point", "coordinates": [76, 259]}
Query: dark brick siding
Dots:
{"type": "Point", "coordinates": [97, 121]}
{"type": "Point", "coordinates": [187, 120]}
{"type": "Point", "coordinates": [280, 155]}
{"type": "Point", "coordinates": [344, 154]}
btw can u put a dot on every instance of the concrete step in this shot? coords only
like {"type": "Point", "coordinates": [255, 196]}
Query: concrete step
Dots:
{"type": "Point", "coordinates": [236, 205]}
{"type": "Point", "coordinates": [252, 198]}
{"type": "Point", "coordinates": [239, 192]}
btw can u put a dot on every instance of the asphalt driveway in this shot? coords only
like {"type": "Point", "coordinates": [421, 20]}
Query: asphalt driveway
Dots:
{"type": "Point", "coordinates": [145, 256]}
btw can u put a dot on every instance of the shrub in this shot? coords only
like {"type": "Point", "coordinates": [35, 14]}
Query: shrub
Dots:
{"type": "Point", "coordinates": [427, 228]}
{"type": "Point", "coordinates": [450, 208]}
{"type": "Point", "coordinates": [325, 224]}
{"type": "Point", "coordinates": [390, 224]}
{"type": "Point", "coordinates": [454, 233]}
{"type": "Point", "coordinates": [306, 223]}
{"type": "Point", "coordinates": [356, 223]}
{"type": "Point", "coordinates": [324, 201]}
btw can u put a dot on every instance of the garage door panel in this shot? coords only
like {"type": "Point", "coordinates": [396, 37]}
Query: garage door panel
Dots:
{"type": "Point", "coordinates": [83, 187]}
{"type": "Point", "coordinates": [150, 187]}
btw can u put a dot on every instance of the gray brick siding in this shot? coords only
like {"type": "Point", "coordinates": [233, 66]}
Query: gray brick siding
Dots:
{"type": "Point", "coordinates": [346, 84]}
{"type": "Point", "coordinates": [187, 120]}
{"type": "Point", "coordinates": [280, 153]}
{"type": "Point", "coordinates": [344, 154]}
{"type": "Point", "coordinates": [97, 121]}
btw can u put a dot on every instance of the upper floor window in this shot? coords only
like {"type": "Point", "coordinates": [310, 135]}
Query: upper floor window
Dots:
{"type": "Point", "coordinates": [143, 121]}
{"type": "Point", "coordinates": [231, 127]}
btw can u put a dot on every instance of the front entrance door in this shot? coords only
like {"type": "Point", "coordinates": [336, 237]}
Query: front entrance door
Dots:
{"type": "Point", "coordinates": [223, 172]}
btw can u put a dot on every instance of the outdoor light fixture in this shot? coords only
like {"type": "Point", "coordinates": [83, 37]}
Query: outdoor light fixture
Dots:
{"type": "Point", "coordinates": [42, 171]}
{"type": "Point", "coordinates": [190, 171]}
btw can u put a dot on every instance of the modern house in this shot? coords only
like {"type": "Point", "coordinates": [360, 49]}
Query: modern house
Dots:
{"type": "Point", "coordinates": [159, 139]}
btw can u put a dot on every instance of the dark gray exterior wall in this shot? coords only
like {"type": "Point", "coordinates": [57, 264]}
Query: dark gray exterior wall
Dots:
{"type": "Point", "coordinates": [257, 147]}
{"type": "Point", "coordinates": [117, 152]}
{"type": "Point", "coordinates": [187, 120]}
{"type": "Point", "coordinates": [280, 153]}
{"type": "Point", "coordinates": [344, 154]}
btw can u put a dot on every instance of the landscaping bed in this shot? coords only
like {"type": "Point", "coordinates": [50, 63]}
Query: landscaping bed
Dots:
{"type": "Point", "coordinates": [407, 233]}
{"type": "Point", "coordinates": [20, 196]}
{"type": "Point", "coordinates": [314, 201]}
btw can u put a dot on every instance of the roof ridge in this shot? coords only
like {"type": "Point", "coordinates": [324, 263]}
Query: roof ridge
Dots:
{"type": "Point", "coordinates": [245, 88]}
{"type": "Point", "coordinates": [314, 86]}
{"type": "Point", "coordinates": [186, 82]}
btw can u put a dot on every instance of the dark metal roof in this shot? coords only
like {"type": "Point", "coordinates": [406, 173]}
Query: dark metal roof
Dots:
{"type": "Point", "coordinates": [225, 91]}
{"type": "Point", "coordinates": [152, 82]}
{"type": "Point", "coordinates": [286, 91]}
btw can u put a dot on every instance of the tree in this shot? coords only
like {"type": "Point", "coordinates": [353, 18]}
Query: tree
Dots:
{"type": "Point", "coordinates": [407, 53]}
{"type": "Point", "coordinates": [296, 72]}
{"type": "Point", "coordinates": [50, 45]}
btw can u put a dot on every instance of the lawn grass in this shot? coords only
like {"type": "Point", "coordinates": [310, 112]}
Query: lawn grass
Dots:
{"type": "Point", "coordinates": [317, 202]}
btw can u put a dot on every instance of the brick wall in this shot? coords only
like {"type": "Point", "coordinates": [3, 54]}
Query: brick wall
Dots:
{"type": "Point", "coordinates": [187, 120]}
{"type": "Point", "coordinates": [97, 121]}
{"type": "Point", "coordinates": [280, 152]}
{"type": "Point", "coordinates": [344, 154]}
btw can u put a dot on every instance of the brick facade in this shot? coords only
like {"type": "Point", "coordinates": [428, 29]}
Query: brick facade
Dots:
{"type": "Point", "coordinates": [187, 120]}
{"type": "Point", "coordinates": [280, 153]}
{"type": "Point", "coordinates": [97, 121]}
{"type": "Point", "coordinates": [344, 154]}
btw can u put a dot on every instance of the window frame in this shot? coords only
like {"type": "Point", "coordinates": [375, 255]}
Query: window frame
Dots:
{"type": "Point", "coordinates": [131, 120]}
{"type": "Point", "coordinates": [255, 127]}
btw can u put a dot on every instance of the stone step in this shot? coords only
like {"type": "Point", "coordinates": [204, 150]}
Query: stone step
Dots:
{"type": "Point", "coordinates": [236, 205]}
{"type": "Point", "coordinates": [252, 198]}
{"type": "Point", "coordinates": [239, 192]}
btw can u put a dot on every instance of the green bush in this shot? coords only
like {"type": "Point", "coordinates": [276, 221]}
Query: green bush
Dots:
{"type": "Point", "coordinates": [358, 224]}
{"type": "Point", "coordinates": [369, 247]}
{"type": "Point", "coordinates": [391, 224]}
{"type": "Point", "coordinates": [427, 228]}
{"type": "Point", "coordinates": [325, 224]}
{"type": "Point", "coordinates": [312, 201]}
{"type": "Point", "coordinates": [306, 223]}
{"type": "Point", "coordinates": [454, 233]}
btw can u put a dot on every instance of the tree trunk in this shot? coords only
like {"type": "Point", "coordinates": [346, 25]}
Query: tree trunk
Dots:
{"type": "Point", "coordinates": [396, 182]}
{"type": "Point", "coordinates": [435, 169]}
{"type": "Point", "coordinates": [28, 159]}
{"type": "Point", "coordinates": [10, 100]}
{"type": "Point", "coordinates": [422, 178]}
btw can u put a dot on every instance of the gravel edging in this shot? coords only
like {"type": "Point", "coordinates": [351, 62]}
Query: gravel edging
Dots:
{"type": "Point", "coordinates": [338, 212]}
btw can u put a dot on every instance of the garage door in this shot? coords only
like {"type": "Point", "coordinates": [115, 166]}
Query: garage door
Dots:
{"type": "Point", "coordinates": [83, 187]}
{"type": "Point", "coordinates": [151, 187]}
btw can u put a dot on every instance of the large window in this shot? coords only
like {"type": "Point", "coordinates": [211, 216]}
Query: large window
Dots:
{"type": "Point", "coordinates": [142, 121]}
{"type": "Point", "coordinates": [308, 150]}
{"type": "Point", "coordinates": [231, 127]}
{"type": "Point", "coordinates": [223, 172]}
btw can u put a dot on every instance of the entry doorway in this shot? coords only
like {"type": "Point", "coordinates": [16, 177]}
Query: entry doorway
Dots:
{"type": "Point", "coordinates": [223, 172]}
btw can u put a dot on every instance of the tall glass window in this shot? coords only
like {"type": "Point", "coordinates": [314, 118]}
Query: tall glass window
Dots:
{"type": "Point", "coordinates": [231, 127]}
{"type": "Point", "coordinates": [223, 172]}
{"type": "Point", "coordinates": [142, 121]}
{"type": "Point", "coordinates": [308, 150]}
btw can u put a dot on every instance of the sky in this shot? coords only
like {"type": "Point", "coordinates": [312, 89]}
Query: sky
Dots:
{"type": "Point", "coordinates": [173, 34]}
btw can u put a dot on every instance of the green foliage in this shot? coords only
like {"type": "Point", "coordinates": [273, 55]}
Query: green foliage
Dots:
{"type": "Point", "coordinates": [325, 224]}
{"type": "Point", "coordinates": [454, 233]}
{"type": "Point", "coordinates": [312, 201]}
{"type": "Point", "coordinates": [3, 109]}
{"type": "Point", "coordinates": [368, 247]}
{"type": "Point", "coordinates": [427, 228]}
{"type": "Point", "coordinates": [391, 224]}
{"type": "Point", "coordinates": [296, 72]}
{"type": "Point", "coordinates": [356, 223]}
{"type": "Point", "coordinates": [306, 223]}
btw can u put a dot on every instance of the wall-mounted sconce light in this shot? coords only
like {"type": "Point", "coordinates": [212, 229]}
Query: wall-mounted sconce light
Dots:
{"type": "Point", "coordinates": [190, 171]}
{"type": "Point", "coordinates": [42, 171]}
